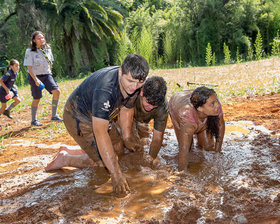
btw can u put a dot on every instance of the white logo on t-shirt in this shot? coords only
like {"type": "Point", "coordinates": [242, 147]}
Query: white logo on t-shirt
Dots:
{"type": "Point", "coordinates": [107, 104]}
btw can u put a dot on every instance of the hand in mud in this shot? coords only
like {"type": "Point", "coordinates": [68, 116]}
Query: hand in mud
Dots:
{"type": "Point", "coordinates": [120, 185]}
{"type": "Point", "coordinates": [150, 161]}
{"type": "Point", "coordinates": [133, 144]}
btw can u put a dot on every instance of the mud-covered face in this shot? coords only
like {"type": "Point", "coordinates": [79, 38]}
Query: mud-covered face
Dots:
{"type": "Point", "coordinates": [15, 67]}
{"type": "Point", "coordinates": [129, 84]}
{"type": "Point", "coordinates": [147, 107]}
{"type": "Point", "coordinates": [211, 107]}
{"type": "Point", "coordinates": [39, 40]}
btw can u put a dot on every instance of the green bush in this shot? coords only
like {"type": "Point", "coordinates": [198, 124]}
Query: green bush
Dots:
{"type": "Point", "coordinates": [208, 57]}
{"type": "Point", "coordinates": [226, 54]}
{"type": "Point", "coordinates": [258, 47]}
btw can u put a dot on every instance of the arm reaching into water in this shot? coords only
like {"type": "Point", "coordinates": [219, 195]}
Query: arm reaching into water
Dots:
{"type": "Point", "coordinates": [108, 155]}
{"type": "Point", "coordinates": [156, 143]}
{"type": "Point", "coordinates": [219, 141]}
{"type": "Point", "coordinates": [185, 139]}
{"type": "Point", "coordinates": [126, 119]}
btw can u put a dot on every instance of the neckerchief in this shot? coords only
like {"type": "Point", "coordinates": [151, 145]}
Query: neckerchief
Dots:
{"type": "Point", "coordinates": [48, 60]}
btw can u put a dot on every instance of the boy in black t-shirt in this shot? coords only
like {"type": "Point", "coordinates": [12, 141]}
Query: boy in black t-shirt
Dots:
{"type": "Point", "coordinates": [90, 111]}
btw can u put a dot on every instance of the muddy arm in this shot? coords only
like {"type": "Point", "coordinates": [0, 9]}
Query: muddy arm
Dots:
{"type": "Point", "coordinates": [185, 143]}
{"type": "Point", "coordinates": [156, 143]}
{"type": "Point", "coordinates": [184, 134]}
{"type": "Point", "coordinates": [219, 141]}
{"type": "Point", "coordinates": [106, 150]}
{"type": "Point", "coordinates": [125, 121]}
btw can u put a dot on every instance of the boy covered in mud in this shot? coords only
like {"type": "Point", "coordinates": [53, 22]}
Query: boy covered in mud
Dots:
{"type": "Point", "coordinates": [151, 104]}
{"type": "Point", "coordinates": [91, 108]}
{"type": "Point", "coordinates": [196, 112]}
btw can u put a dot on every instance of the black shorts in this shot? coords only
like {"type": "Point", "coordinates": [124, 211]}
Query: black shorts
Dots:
{"type": "Point", "coordinates": [49, 82]}
{"type": "Point", "coordinates": [3, 94]}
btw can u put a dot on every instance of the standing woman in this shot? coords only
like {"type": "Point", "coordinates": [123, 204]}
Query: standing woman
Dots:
{"type": "Point", "coordinates": [39, 59]}
{"type": "Point", "coordinates": [197, 112]}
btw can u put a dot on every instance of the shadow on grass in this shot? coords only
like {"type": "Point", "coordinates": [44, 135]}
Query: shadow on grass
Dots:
{"type": "Point", "coordinates": [19, 132]}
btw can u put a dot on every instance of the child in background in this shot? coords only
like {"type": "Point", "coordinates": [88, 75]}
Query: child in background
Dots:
{"type": "Point", "coordinates": [8, 88]}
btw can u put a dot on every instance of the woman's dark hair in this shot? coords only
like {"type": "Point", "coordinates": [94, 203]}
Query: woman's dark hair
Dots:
{"type": "Point", "coordinates": [198, 98]}
{"type": "Point", "coordinates": [136, 65]}
{"type": "Point", "coordinates": [213, 125]}
{"type": "Point", "coordinates": [154, 89]}
{"type": "Point", "coordinates": [32, 45]}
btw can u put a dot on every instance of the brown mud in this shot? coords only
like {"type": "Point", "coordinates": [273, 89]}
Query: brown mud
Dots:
{"type": "Point", "coordinates": [241, 185]}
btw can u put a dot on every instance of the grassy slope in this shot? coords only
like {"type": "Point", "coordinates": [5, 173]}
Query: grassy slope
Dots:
{"type": "Point", "coordinates": [251, 78]}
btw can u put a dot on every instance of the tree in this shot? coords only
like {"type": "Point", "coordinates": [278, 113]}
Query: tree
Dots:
{"type": "Point", "coordinates": [79, 31]}
{"type": "Point", "coordinates": [208, 57]}
{"type": "Point", "coordinates": [79, 27]}
{"type": "Point", "coordinates": [123, 48]}
{"type": "Point", "coordinates": [276, 46]}
{"type": "Point", "coordinates": [258, 47]}
{"type": "Point", "coordinates": [238, 60]}
{"type": "Point", "coordinates": [168, 49]}
{"type": "Point", "coordinates": [214, 59]}
{"type": "Point", "coordinates": [145, 46]}
{"type": "Point", "coordinates": [226, 54]}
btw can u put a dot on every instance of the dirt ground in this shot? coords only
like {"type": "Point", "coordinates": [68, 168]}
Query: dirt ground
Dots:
{"type": "Point", "coordinates": [262, 110]}
{"type": "Point", "coordinates": [30, 195]}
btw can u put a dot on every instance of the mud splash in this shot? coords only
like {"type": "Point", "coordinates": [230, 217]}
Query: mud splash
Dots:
{"type": "Point", "coordinates": [241, 185]}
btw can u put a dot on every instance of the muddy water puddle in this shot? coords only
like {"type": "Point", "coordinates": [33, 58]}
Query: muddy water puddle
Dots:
{"type": "Point", "coordinates": [241, 185]}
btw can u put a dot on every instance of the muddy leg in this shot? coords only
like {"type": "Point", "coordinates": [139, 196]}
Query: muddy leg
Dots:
{"type": "Point", "coordinates": [75, 151]}
{"type": "Point", "coordinates": [69, 157]}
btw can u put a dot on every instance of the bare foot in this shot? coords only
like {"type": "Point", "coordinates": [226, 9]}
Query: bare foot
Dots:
{"type": "Point", "coordinates": [71, 157]}
{"type": "Point", "coordinates": [58, 162]}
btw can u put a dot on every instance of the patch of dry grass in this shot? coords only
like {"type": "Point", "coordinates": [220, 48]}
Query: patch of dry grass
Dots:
{"type": "Point", "coordinates": [249, 78]}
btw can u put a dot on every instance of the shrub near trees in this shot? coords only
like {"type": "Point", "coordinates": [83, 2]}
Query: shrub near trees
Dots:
{"type": "Point", "coordinates": [209, 56]}
{"type": "Point", "coordinates": [276, 46]}
{"type": "Point", "coordinates": [89, 34]}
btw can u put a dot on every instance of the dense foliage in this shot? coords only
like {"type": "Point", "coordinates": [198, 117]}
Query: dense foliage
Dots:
{"type": "Point", "coordinates": [89, 34]}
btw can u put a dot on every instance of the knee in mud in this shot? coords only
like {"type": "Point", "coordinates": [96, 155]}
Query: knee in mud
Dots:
{"type": "Point", "coordinates": [207, 147]}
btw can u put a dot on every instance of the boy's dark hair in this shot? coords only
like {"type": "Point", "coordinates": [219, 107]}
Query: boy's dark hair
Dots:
{"type": "Point", "coordinates": [136, 65]}
{"type": "Point", "coordinates": [198, 98]}
{"type": "Point", "coordinates": [32, 45]}
{"type": "Point", "coordinates": [154, 89]}
{"type": "Point", "coordinates": [12, 62]}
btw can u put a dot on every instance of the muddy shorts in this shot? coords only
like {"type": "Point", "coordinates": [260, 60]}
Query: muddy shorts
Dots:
{"type": "Point", "coordinates": [82, 133]}
{"type": "Point", "coordinates": [49, 82]}
{"type": "Point", "coordinates": [3, 94]}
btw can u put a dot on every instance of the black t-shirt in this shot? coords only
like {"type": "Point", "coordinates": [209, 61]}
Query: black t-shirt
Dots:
{"type": "Point", "coordinates": [159, 114]}
{"type": "Point", "coordinates": [99, 95]}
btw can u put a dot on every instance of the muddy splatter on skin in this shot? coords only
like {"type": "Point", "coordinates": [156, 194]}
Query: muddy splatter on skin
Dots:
{"type": "Point", "coordinates": [241, 185]}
